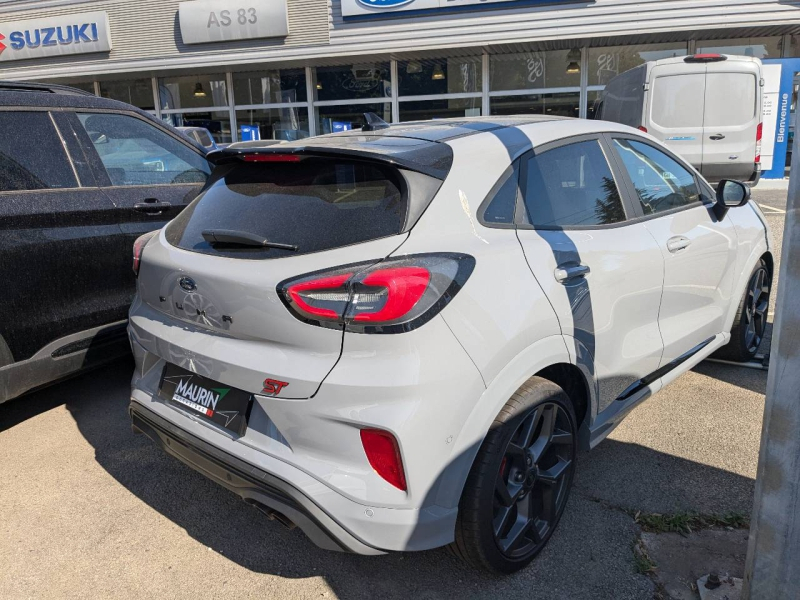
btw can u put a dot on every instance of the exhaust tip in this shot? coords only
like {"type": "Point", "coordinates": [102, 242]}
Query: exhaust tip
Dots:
{"type": "Point", "coordinates": [272, 514]}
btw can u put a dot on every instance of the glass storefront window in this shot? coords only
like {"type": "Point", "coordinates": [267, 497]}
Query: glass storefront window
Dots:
{"type": "Point", "coordinates": [592, 103]}
{"type": "Point", "coordinates": [760, 47]}
{"type": "Point", "coordinates": [345, 117]}
{"type": "Point", "coordinates": [535, 70]}
{"type": "Point", "coordinates": [439, 76]}
{"type": "Point", "coordinates": [419, 110]}
{"type": "Point", "coordinates": [218, 123]}
{"type": "Point", "coordinates": [606, 63]}
{"type": "Point", "coordinates": [270, 87]}
{"type": "Point", "coordinates": [349, 82]}
{"type": "Point", "coordinates": [193, 91]}
{"type": "Point", "coordinates": [564, 104]}
{"type": "Point", "coordinates": [138, 92]}
{"type": "Point", "coordinates": [272, 124]}
{"type": "Point", "coordinates": [86, 86]}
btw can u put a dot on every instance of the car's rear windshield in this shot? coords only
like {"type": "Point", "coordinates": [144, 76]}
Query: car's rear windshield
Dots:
{"type": "Point", "coordinates": [315, 204]}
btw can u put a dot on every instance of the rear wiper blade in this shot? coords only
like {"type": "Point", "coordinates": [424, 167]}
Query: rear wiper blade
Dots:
{"type": "Point", "coordinates": [242, 238]}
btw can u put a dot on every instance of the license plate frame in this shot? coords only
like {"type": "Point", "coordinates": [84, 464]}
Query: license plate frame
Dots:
{"type": "Point", "coordinates": [224, 405]}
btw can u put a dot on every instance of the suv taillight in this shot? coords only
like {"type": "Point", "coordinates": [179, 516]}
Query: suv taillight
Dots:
{"type": "Point", "coordinates": [759, 134]}
{"type": "Point", "coordinates": [390, 296]}
{"type": "Point", "coordinates": [138, 248]}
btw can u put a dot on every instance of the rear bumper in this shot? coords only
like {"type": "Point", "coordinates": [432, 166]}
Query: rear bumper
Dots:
{"type": "Point", "coordinates": [268, 492]}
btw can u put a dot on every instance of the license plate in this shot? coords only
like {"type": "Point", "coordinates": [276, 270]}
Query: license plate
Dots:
{"type": "Point", "coordinates": [226, 406]}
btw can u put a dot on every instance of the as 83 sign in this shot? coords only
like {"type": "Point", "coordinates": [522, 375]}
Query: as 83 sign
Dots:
{"type": "Point", "coordinates": [208, 21]}
{"type": "Point", "coordinates": [224, 19]}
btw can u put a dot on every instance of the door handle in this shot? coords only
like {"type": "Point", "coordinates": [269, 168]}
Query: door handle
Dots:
{"type": "Point", "coordinates": [678, 243]}
{"type": "Point", "coordinates": [566, 273]}
{"type": "Point", "coordinates": [716, 136]}
{"type": "Point", "coordinates": [152, 206]}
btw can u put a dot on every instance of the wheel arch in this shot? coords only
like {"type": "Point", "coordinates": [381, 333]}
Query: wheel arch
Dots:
{"type": "Point", "coordinates": [570, 379]}
{"type": "Point", "coordinates": [547, 358]}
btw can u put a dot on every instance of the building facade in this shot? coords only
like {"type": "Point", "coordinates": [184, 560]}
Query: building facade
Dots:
{"type": "Point", "coordinates": [287, 69]}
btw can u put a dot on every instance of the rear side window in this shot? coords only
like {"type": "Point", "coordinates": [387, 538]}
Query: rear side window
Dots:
{"type": "Point", "coordinates": [503, 198]}
{"type": "Point", "coordinates": [32, 156]}
{"type": "Point", "coordinates": [572, 186]}
{"type": "Point", "coordinates": [660, 181]}
{"type": "Point", "coordinates": [314, 204]}
{"type": "Point", "coordinates": [676, 100]}
{"type": "Point", "coordinates": [135, 152]}
{"type": "Point", "coordinates": [730, 99]}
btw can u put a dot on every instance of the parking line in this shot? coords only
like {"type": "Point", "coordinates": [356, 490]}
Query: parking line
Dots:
{"type": "Point", "coordinates": [777, 210]}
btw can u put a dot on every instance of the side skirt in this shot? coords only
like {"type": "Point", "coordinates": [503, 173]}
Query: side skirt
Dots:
{"type": "Point", "coordinates": [645, 387]}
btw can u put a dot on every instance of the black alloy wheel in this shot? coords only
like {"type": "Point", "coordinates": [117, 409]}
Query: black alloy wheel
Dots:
{"type": "Point", "coordinates": [756, 308]}
{"type": "Point", "coordinates": [532, 481]}
{"type": "Point", "coordinates": [519, 481]}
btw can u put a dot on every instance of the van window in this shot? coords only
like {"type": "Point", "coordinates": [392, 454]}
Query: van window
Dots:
{"type": "Point", "coordinates": [32, 156]}
{"type": "Point", "coordinates": [314, 204]}
{"type": "Point", "coordinates": [572, 186]}
{"type": "Point", "coordinates": [730, 99]}
{"type": "Point", "coordinates": [661, 182]}
{"type": "Point", "coordinates": [676, 99]}
{"type": "Point", "coordinates": [135, 152]}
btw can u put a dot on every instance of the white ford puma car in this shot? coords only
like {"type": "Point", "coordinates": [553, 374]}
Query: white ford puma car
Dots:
{"type": "Point", "coordinates": [398, 339]}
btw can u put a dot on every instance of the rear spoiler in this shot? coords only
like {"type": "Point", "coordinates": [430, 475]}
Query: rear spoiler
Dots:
{"type": "Point", "coordinates": [429, 158]}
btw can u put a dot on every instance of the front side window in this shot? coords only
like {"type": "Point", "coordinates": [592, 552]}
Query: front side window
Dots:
{"type": "Point", "coordinates": [23, 163]}
{"type": "Point", "coordinates": [660, 181]}
{"type": "Point", "coordinates": [135, 152]}
{"type": "Point", "coordinates": [572, 186]}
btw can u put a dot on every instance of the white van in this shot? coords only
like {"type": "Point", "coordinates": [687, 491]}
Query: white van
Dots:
{"type": "Point", "coordinates": [705, 107]}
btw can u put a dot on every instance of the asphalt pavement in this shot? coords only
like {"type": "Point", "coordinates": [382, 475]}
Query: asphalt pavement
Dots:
{"type": "Point", "coordinates": [91, 510]}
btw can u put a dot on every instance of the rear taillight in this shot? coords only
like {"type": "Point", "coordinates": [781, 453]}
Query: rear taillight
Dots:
{"type": "Point", "coordinates": [642, 128]}
{"type": "Point", "coordinates": [138, 248]}
{"type": "Point", "coordinates": [383, 454]}
{"type": "Point", "coordinates": [390, 296]}
{"type": "Point", "coordinates": [759, 134]}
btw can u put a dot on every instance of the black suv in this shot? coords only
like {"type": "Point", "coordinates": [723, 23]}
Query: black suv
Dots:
{"type": "Point", "coordinates": [81, 178]}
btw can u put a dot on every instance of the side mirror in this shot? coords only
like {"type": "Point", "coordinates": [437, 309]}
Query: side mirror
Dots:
{"type": "Point", "coordinates": [730, 194]}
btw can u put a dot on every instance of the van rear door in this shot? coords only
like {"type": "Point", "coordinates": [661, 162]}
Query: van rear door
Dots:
{"type": "Point", "coordinates": [675, 108]}
{"type": "Point", "coordinates": [732, 112]}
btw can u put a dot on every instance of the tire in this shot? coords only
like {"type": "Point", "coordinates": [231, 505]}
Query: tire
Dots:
{"type": "Point", "coordinates": [503, 531]}
{"type": "Point", "coordinates": [750, 321]}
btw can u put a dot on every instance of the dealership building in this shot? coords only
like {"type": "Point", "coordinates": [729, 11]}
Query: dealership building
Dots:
{"type": "Point", "coordinates": [287, 69]}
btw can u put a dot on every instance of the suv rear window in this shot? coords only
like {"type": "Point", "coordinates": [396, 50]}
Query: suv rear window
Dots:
{"type": "Point", "coordinates": [315, 204]}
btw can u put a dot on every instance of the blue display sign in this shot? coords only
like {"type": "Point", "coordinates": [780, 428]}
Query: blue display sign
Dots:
{"type": "Point", "coordinates": [249, 133]}
{"type": "Point", "coordinates": [783, 108]}
{"type": "Point", "coordinates": [339, 126]}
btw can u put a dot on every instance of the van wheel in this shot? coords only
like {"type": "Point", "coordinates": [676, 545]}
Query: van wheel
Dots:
{"type": "Point", "coordinates": [518, 486]}
{"type": "Point", "coordinates": [751, 317]}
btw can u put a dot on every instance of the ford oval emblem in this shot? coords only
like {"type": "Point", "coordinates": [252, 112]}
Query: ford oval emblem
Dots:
{"type": "Point", "coordinates": [384, 3]}
{"type": "Point", "coordinates": [187, 283]}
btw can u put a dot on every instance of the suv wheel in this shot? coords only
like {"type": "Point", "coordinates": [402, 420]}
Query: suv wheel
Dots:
{"type": "Point", "coordinates": [519, 483]}
{"type": "Point", "coordinates": [751, 317]}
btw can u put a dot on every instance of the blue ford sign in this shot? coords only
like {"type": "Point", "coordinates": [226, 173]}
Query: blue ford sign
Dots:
{"type": "Point", "coordinates": [55, 36]}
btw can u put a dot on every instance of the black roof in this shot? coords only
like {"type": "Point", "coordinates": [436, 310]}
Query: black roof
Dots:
{"type": "Point", "coordinates": [23, 93]}
{"type": "Point", "coordinates": [416, 145]}
{"type": "Point", "coordinates": [442, 130]}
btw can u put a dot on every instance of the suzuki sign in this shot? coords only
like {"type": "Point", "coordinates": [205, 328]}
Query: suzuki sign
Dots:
{"type": "Point", "coordinates": [54, 36]}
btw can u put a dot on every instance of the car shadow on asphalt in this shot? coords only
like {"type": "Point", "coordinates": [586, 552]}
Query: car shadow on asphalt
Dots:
{"type": "Point", "coordinates": [591, 548]}
{"type": "Point", "coordinates": [744, 377]}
